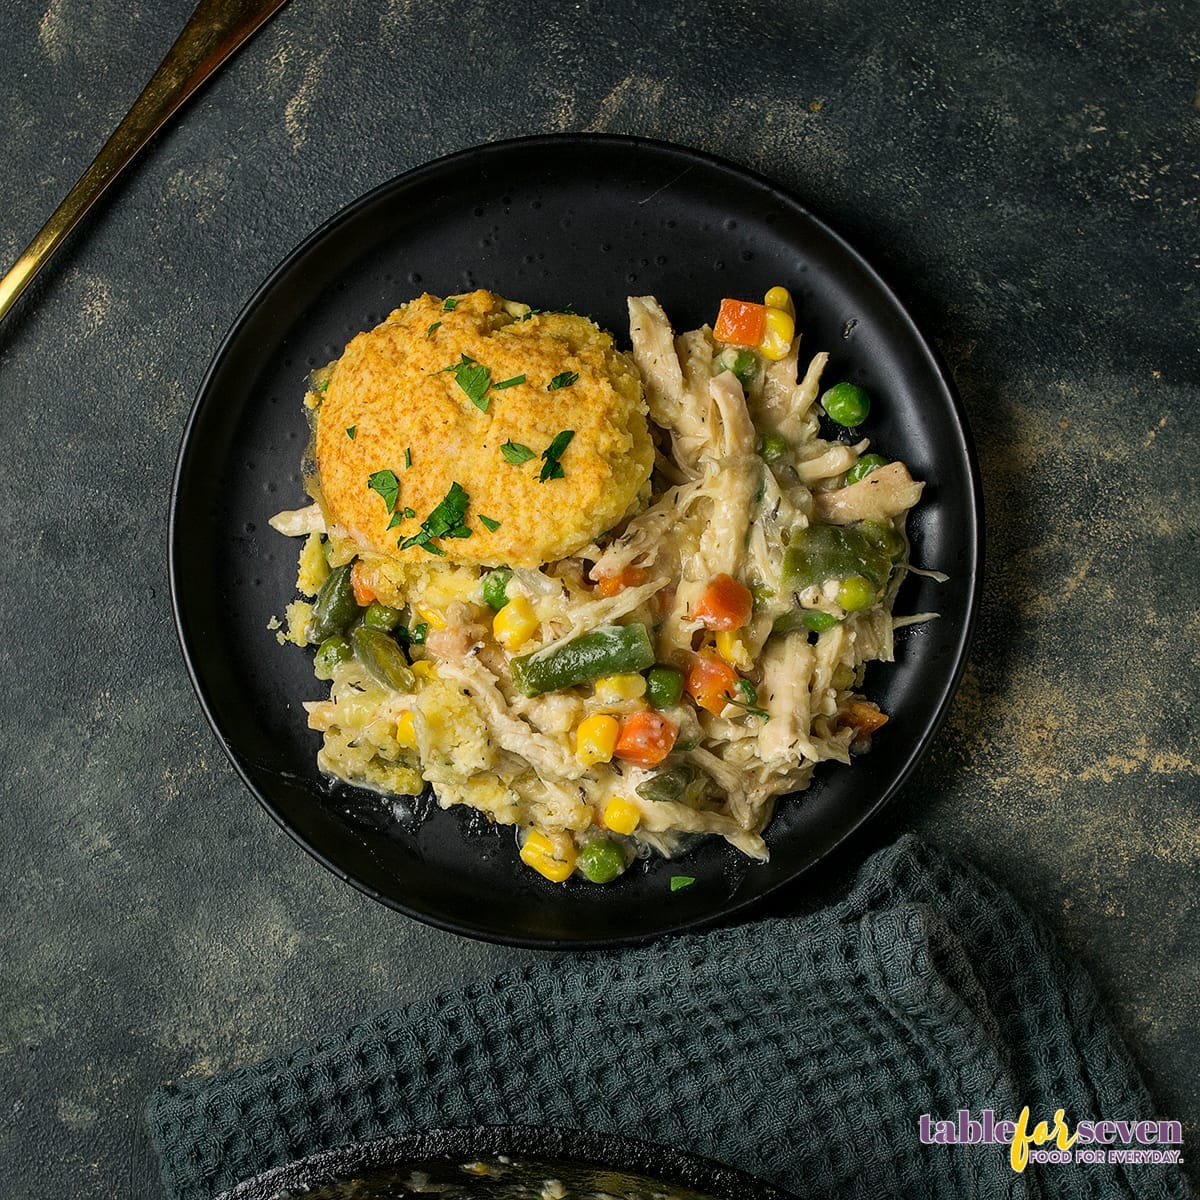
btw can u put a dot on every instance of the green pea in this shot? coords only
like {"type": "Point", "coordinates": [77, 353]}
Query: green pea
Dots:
{"type": "Point", "coordinates": [379, 616]}
{"type": "Point", "coordinates": [601, 861]}
{"type": "Point", "coordinates": [495, 588]}
{"type": "Point", "coordinates": [333, 650]}
{"type": "Point", "coordinates": [664, 687]}
{"type": "Point", "coordinates": [743, 363]}
{"type": "Point", "coordinates": [817, 622]}
{"type": "Point", "coordinates": [846, 404]}
{"type": "Point", "coordinates": [856, 592]}
{"type": "Point", "coordinates": [864, 466]}
{"type": "Point", "coordinates": [773, 447]}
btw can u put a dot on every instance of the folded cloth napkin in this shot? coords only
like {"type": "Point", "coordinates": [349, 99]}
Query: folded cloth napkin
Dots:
{"type": "Point", "coordinates": [803, 1050]}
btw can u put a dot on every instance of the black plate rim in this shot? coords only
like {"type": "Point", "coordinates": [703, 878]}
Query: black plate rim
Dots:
{"type": "Point", "coordinates": [686, 155]}
{"type": "Point", "coordinates": [572, 1147]}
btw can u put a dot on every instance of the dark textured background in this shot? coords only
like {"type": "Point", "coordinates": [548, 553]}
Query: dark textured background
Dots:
{"type": "Point", "coordinates": [1026, 176]}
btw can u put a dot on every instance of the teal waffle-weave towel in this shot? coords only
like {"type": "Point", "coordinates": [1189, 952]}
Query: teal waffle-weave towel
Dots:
{"type": "Point", "coordinates": [803, 1050]}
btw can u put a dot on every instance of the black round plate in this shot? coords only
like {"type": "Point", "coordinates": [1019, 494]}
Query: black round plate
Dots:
{"type": "Point", "coordinates": [553, 221]}
{"type": "Point", "coordinates": [521, 1159]}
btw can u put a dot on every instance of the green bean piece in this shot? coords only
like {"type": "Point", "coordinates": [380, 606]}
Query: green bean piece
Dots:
{"type": "Point", "coordinates": [609, 650]}
{"type": "Point", "coordinates": [333, 650]}
{"type": "Point", "coordinates": [856, 593]}
{"type": "Point", "coordinates": [816, 621]}
{"type": "Point", "coordinates": [881, 535]}
{"type": "Point", "coordinates": [335, 606]}
{"type": "Point", "coordinates": [864, 466]}
{"type": "Point", "coordinates": [382, 658]}
{"type": "Point", "coordinates": [667, 785]}
{"type": "Point", "coordinates": [380, 616]}
{"type": "Point", "coordinates": [743, 363]}
{"type": "Point", "coordinates": [773, 447]}
{"type": "Point", "coordinates": [495, 588]}
{"type": "Point", "coordinates": [846, 404]}
{"type": "Point", "coordinates": [601, 861]}
{"type": "Point", "coordinates": [664, 687]}
{"type": "Point", "coordinates": [822, 552]}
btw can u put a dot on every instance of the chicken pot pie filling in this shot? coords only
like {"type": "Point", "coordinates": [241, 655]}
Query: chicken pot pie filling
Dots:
{"type": "Point", "coordinates": [616, 600]}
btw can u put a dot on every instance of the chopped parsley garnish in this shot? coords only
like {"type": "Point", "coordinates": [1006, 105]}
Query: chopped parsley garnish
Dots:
{"type": "Point", "coordinates": [409, 513]}
{"type": "Point", "coordinates": [446, 520]}
{"type": "Point", "coordinates": [679, 882]}
{"type": "Point", "coordinates": [507, 383]}
{"type": "Point", "coordinates": [407, 457]}
{"type": "Point", "coordinates": [397, 517]}
{"type": "Point", "coordinates": [475, 381]}
{"type": "Point", "coordinates": [473, 378]}
{"type": "Point", "coordinates": [387, 485]}
{"type": "Point", "coordinates": [451, 304]}
{"type": "Point", "coordinates": [433, 329]}
{"type": "Point", "coordinates": [515, 453]}
{"type": "Point", "coordinates": [551, 467]}
{"type": "Point", "coordinates": [490, 525]}
{"type": "Point", "coordinates": [323, 386]}
{"type": "Point", "coordinates": [352, 432]}
{"type": "Point", "coordinates": [562, 380]}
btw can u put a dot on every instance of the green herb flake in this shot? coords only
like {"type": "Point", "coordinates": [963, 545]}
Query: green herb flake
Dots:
{"type": "Point", "coordinates": [352, 432]}
{"type": "Point", "coordinates": [409, 513]}
{"type": "Point", "coordinates": [679, 882]}
{"type": "Point", "coordinates": [451, 303]}
{"type": "Point", "coordinates": [507, 383]}
{"type": "Point", "coordinates": [515, 453]}
{"type": "Point", "coordinates": [475, 381]}
{"type": "Point", "coordinates": [552, 468]}
{"type": "Point", "coordinates": [323, 386]}
{"type": "Point", "coordinates": [417, 636]}
{"type": "Point", "coordinates": [433, 329]}
{"type": "Point", "coordinates": [446, 520]}
{"type": "Point", "coordinates": [397, 517]}
{"type": "Point", "coordinates": [747, 705]}
{"type": "Point", "coordinates": [562, 380]}
{"type": "Point", "coordinates": [387, 485]}
{"type": "Point", "coordinates": [490, 525]}
{"type": "Point", "coordinates": [407, 457]}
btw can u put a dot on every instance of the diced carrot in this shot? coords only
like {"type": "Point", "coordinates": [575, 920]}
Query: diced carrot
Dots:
{"type": "Point", "coordinates": [724, 604]}
{"type": "Point", "coordinates": [364, 593]}
{"type": "Point", "coordinates": [740, 323]}
{"type": "Point", "coordinates": [862, 716]}
{"type": "Point", "coordinates": [627, 577]}
{"type": "Point", "coordinates": [646, 738]}
{"type": "Point", "coordinates": [711, 681]}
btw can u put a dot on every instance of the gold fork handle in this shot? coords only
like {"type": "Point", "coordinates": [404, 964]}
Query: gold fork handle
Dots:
{"type": "Point", "coordinates": [214, 31]}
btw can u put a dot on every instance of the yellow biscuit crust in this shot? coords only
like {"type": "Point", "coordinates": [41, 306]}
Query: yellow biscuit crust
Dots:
{"type": "Point", "coordinates": [392, 388]}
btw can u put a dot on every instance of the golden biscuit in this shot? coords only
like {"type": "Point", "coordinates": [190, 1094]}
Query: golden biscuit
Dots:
{"type": "Point", "coordinates": [434, 393]}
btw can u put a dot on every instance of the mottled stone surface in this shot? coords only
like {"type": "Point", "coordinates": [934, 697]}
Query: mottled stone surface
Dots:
{"type": "Point", "coordinates": [1027, 176]}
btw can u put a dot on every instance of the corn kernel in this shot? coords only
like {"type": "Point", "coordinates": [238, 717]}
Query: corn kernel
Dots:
{"type": "Point", "coordinates": [596, 738]}
{"type": "Point", "coordinates": [515, 623]}
{"type": "Point", "coordinates": [613, 689]}
{"type": "Point", "coordinates": [621, 815]}
{"type": "Point", "coordinates": [551, 855]}
{"type": "Point", "coordinates": [777, 341]}
{"type": "Point", "coordinates": [424, 669]}
{"type": "Point", "coordinates": [731, 646]}
{"type": "Point", "coordinates": [431, 616]}
{"type": "Point", "coordinates": [406, 730]}
{"type": "Point", "coordinates": [780, 297]}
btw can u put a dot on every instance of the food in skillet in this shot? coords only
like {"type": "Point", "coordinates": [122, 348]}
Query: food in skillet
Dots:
{"type": "Point", "coordinates": [614, 600]}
